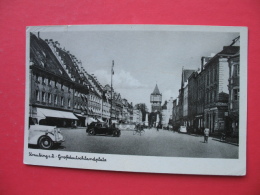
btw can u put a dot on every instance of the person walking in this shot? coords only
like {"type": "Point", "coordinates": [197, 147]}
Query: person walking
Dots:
{"type": "Point", "coordinates": [206, 135]}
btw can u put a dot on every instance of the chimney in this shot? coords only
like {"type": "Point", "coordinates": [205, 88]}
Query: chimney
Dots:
{"type": "Point", "coordinates": [202, 63]}
{"type": "Point", "coordinates": [38, 35]}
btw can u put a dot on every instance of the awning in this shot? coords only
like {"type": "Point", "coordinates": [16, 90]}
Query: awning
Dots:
{"type": "Point", "coordinates": [56, 113]}
{"type": "Point", "coordinates": [114, 121]}
{"type": "Point", "coordinates": [80, 115]}
{"type": "Point", "coordinates": [90, 120]}
{"type": "Point", "coordinates": [100, 120]}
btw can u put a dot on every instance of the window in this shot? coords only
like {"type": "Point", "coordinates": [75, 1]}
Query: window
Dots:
{"type": "Point", "coordinates": [37, 78]}
{"type": "Point", "coordinates": [56, 84]}
{"type": "Point", "coordinates": [235, 70]}
{"type": "Point", "coordinates": [55, 100]}
{"type": "Point", "coordinates": [75, 106]}
{"type": "Point", "coordinates": [61, 87]}
{"type": "Point", "coordinates": [236, 94]}
{"type": "Point", "coordinates": [215, 75]}
{"type": "Point", "coordinates": [43, 97]}
{"type": "Point", "coordinates": [211, 76]}
{"type": "Point", "coordinates": [69, 103]}
{"type": "Point", "coordinates": [76, 93]}
{"type": "Point", "coordinates": [43, 80]}
{"type": "Point", "coordinates": [69, 89]}
{"type": "Point", "coordinates": [49, 98]}
{"type": "Point", "coordinates": [37, 95]}
{"type": "Point", "coordinates": [62, 101]}
{"type": "Point", "coordinates": [49, 82]}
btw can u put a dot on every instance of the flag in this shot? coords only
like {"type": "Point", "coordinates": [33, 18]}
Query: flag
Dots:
{"type": "Point", "coordinates": [112, 69]}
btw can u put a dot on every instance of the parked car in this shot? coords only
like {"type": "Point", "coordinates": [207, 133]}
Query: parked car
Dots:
{"type": "Point", "coordinates": [46, 137]}
{"type": "Point", "coordinates": [182, 129]}
{"type": "Point", "coordinates": [102, 128]}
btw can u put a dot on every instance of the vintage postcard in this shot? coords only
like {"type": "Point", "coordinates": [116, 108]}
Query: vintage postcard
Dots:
{"type": "Point", "coordinates": [137, 98]}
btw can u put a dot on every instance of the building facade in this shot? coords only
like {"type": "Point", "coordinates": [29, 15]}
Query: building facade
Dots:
{"type": "Point", "coordinates": [233, 86]}
{"type": "Point", "coordinates": [51, 90]}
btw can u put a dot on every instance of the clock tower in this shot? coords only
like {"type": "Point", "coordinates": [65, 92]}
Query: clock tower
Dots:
{"type": "Point", "coordinates": [156, 100]}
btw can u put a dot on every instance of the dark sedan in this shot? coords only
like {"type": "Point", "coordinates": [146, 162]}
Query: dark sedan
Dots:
{"type": "Point", "coordinates": [103, 129]}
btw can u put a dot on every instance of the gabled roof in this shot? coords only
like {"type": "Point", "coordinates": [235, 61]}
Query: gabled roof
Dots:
{"type": "Point", "coordinates": [156, 91]}
{"type": "Point", "coordinates": [229, 50]}
{"type": "Point", "coordinates": [185, 75]}
{"type": "Point", "coordinates": [41, 55]}
{"type": "Point", "coordinates": [70, 64]}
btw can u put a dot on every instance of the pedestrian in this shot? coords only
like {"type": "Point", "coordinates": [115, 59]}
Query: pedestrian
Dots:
{"type": "Point", "coordinates": [206, 135]}
{"type": "Point", "coordinates": [223, 136]}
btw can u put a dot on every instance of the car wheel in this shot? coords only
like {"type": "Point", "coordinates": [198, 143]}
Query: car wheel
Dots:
{"type": "Point", "coordinates": [115, 133]}
{"type": "Point", "coordinates": [45, 143]}
{"type": "Point", "coordinates": [91, 132]}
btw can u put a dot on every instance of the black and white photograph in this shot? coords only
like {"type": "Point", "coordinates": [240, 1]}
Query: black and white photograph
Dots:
{"type": "Point", "coordinates": [137, 98]}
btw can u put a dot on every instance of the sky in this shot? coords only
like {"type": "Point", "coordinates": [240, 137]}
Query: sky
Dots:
{"type": "Point", "coordinates": [142, 59]}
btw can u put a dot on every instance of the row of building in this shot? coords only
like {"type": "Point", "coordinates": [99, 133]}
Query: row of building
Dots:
{"type": "Point", "coordinates": [63, 93]}
{"type": "Point", "coordinates": [209, 96]}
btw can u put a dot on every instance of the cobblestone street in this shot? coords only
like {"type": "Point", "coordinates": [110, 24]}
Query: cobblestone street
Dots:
{"type": "Point", "coordinates": [152, 143]}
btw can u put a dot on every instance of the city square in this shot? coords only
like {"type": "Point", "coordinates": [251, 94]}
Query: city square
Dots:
{"type": "Point", "coordinates": [152, 143]}
{"type": "Point", "coordinates": [176, 97]}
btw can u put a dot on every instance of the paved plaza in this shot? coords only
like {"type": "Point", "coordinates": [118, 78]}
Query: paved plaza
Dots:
{"type": "Point", "coordinates": [152, 143]}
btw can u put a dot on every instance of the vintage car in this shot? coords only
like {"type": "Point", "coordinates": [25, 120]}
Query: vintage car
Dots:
{"type": "Point", "coordinates": [46, 137]}
{"type": "Point", "coordinates": [103, 128]}
{"type": "Point", "coordinates": [182, 129]}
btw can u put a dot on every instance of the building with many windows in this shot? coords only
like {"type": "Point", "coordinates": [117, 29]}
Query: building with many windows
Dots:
{"type": "Point", "coordinates": [51, 89]}
{"type": "Point", "coordinates": [216, 90]}
{"type": "Point", "coordinates": [234, 63]}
